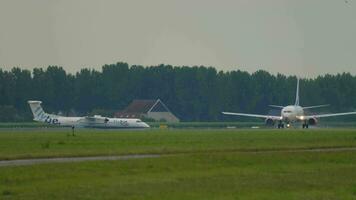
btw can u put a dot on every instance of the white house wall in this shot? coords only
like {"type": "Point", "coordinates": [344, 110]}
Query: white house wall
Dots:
{"type": "Point", "coordinates": [169, 117]}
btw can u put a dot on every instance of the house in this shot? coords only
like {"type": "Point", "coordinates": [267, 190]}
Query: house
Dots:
{"type": "Point", "coordinates": [152, 109]}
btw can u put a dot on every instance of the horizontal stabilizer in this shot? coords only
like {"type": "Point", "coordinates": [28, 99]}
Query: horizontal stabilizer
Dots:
{"type": "Point", "coordinates": [318, 106]}
{"type": "Point", "coordinates": [275, 106]}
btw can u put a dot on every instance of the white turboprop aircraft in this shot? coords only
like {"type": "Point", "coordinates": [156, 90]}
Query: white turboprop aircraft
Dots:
{"type": "Point", "coordinates": [96, 121]}
{"type": "Point", "coordinates": [292, 113]}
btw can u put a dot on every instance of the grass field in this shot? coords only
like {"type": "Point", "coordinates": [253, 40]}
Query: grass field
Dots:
{"type": "Point", "coordinates": [195, 164]}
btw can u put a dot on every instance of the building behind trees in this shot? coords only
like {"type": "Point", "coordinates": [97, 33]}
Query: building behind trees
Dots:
{"type": "Point", "coordinates": [154, 110]}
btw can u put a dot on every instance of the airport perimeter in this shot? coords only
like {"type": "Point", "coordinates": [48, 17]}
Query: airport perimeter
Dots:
{"type": "Point", "coordinates": [189, 164]}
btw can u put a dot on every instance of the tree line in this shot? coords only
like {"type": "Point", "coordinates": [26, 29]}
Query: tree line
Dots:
{"type": "Point", "coordinates": [191, 93]}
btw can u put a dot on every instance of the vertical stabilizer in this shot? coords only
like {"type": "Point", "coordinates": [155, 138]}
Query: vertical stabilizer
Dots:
{"type": "Point", "coordinates": [37, 111]}
{"type": "Point", "coordinates": [297, 94]}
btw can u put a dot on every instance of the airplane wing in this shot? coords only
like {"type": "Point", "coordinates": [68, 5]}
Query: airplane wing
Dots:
{"type": "Point", "coordinates": [253, 115]}
{"type": "Point", "coordinates": [331, 115]}
{"type": "Point", "coordinates": [93, 120]}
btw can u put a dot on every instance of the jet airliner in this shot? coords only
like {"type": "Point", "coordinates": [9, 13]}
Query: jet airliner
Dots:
{"type": "Point", "coordinates": [95, 121]}
{"type": "Point", "coordinates": [292, 113]}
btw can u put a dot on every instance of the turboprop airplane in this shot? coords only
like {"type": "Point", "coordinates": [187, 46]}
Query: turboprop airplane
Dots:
{"type": "Point", "coordinates": [292, 113]}
{"type": "Point", "coordinates": [96, 121]}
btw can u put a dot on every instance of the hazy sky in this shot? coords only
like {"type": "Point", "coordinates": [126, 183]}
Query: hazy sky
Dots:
{"type": "Point", "coordinates": [302, 37]}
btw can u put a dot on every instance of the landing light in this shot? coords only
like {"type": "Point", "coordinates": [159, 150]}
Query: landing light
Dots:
{"type": "Point", "coordinates": [288, 125]}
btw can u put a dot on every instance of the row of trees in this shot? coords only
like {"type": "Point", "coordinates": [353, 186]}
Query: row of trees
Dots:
{"type": "Point", "coordinates": [192, 93]}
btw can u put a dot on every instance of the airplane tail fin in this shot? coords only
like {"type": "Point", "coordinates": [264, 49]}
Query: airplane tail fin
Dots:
{"type": "Point", "coordinates": [297, 94]}
{"type": "Point", "coordinates": [37, 111]}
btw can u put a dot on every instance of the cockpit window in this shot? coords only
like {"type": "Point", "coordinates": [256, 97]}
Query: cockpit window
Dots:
{"type": "Point", "coordinates": [287, 111]}
{"type": "Point", "coordinates": [138, 121]}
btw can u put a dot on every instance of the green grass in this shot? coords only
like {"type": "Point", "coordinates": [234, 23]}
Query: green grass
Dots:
{"type": "Point", "coordinates": [57, 143]}
{"type": "Point", "coordinates": [23, 125]}
{"type": "Point", "coordinates": [197, 164]}
{"type": "Point", "coordinates": [197, 176]}
{"type": "Point", "coordinates": [208, 124]}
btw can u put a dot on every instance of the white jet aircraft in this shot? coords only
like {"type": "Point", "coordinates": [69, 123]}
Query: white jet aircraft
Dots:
{"type": "Point", "coordinates": [291, 114]}
{"type": "Point", "coordinates": [96, 121]}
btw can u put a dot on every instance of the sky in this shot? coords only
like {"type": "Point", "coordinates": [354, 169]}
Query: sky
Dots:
{"type": "Point", "coordinates": [294, 37]}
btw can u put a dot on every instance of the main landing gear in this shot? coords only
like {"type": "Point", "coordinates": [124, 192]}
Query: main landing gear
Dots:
{"type": "Point", "coordinates": [72, 131]}
{"type": "Point", "coordinates": [305, 125]}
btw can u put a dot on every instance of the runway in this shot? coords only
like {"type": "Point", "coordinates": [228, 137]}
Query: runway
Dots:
{"type": "Point", "coordinates": [23, 162]}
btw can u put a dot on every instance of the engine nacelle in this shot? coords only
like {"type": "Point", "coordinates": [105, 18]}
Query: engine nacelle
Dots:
{"type": "Point", "coordinates": [312, 121]}
{"type": "Point", "coordinates": [269, 122]}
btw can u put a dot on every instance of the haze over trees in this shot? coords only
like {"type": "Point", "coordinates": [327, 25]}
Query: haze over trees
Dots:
{"type": "Point", "coordinates": [192, 93]}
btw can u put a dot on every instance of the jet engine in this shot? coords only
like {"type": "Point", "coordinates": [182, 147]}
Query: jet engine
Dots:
{"type": "Point", "coordinates": [269, 122]}
{"type": "Point", "coordinates": [312, 121]}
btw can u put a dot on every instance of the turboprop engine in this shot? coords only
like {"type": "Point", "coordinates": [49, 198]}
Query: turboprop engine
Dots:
{"type": "Point", "coordinates": [269, 122]}
{"type": "Point", "coordinates": [312, 121]}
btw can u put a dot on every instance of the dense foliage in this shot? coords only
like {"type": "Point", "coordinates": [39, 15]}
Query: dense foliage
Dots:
{"type": "Point", "coordinates": [192, 93]}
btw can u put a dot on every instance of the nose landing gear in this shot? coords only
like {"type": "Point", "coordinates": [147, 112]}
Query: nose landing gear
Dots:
{"type": "Point", "coordinates": [280, 125]}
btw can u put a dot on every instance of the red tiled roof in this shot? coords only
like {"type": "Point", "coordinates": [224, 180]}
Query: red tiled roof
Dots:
{"type": "Point", "coordinates": [139, 106]}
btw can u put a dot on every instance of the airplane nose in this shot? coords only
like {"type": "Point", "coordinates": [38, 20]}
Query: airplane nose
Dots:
{"type": "Point", "coordinates": [145, 125]}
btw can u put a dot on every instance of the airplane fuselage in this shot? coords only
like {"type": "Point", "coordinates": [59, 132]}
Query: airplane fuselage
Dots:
{"type": "Point", "coordinates": [96, 121]}
{"type": "Point", "coordinates": [108, 122]}
{"type": "Point", "coordinates": [290, 113]}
